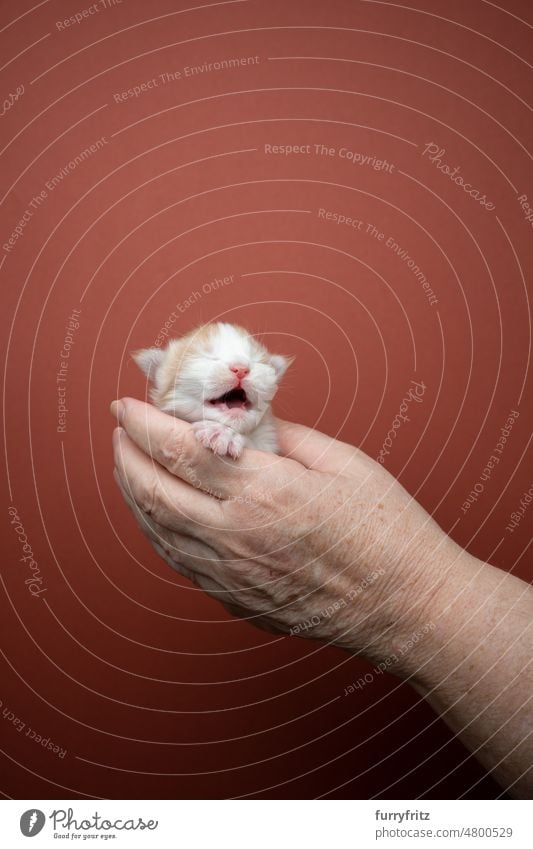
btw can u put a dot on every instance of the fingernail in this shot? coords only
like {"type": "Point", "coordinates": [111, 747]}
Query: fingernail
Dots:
{"type": "Point", "coordinates": [117, 433]}
{"type": "Point", "coordinates": [117, 410]}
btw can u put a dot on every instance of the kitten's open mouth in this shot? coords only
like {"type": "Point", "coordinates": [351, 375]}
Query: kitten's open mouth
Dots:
{"type": "Point", "coordinates": [235, 398]}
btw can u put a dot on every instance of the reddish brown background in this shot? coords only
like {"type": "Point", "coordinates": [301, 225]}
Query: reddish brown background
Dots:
{"type": "Point", "coordinates": [150, 687]}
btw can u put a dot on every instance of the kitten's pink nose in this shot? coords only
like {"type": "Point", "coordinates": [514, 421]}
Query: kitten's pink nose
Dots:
{"type": "Point", "coordinates": [239, 371]}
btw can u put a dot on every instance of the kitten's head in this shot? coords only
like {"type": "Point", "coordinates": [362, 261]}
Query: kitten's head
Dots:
{"type": "Point", "coordinates": [217, 372]}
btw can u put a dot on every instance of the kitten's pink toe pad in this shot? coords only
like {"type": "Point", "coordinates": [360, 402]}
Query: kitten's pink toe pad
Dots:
{"type": "Point", "coordinates": [220, 439]}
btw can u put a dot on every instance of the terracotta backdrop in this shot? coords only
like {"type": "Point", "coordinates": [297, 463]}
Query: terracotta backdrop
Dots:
{"type": "Point", "coordinates": [168, 163]}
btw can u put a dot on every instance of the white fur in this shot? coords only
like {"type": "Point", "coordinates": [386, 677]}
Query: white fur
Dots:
{"type": "Point", "coordinates": [194, 370]}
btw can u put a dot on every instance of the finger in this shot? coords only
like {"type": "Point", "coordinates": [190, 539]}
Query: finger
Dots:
{"type": "Point", "coordinates": [200, 579]}
{"type": "Point", "coordinates": [202, 582]}
{"type": "Point", "coordinates": [185, 554]}
{"type": "Point", "coordinates": [181, 553]}
{"type": "Point", "coordinates": [259, 620]}
{"type": "Point", "coordinates": [174, 564]}
{"type": "Point", "coordinates": [316, 450]}
{"type": "Point", "coordinates": [171, 502]}
{"type": "Point", "coordinates": [179, 543]}
{"type": "Point", "coordinates": [172, 443]}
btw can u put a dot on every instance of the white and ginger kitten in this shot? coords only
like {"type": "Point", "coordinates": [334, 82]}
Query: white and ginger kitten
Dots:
{"type": "Point", "coordinates": [222, 380]}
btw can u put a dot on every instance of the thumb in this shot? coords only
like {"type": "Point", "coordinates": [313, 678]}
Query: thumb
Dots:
{"type": "Point", "coordinates": [315, 450]}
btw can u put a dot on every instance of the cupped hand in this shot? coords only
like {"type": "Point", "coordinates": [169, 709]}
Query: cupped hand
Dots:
{"type": "Point", "coordinates": [320, 542]}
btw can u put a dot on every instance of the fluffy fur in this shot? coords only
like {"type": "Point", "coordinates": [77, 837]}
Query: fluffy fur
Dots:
{"type": "Point", "coordinates": [222, 380]}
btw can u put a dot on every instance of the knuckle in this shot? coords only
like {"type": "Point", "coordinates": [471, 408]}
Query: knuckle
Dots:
{"type": "Point", "coordinates": [148, 497]}
{"type": "Point", "coordinates": [180, 451]}
{"type": "Point", "coordinates": [169, 556]}
{"type": "Point", "coordinates": [172, 445]}
{"type": "Point", "coordinates": [249, 493]}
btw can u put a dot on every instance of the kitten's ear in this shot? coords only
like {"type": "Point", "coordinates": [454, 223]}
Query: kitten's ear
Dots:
{"type": "Point", "coordinates": [149, 360]}
{"type": "Point", "coordinates": [280, 364]}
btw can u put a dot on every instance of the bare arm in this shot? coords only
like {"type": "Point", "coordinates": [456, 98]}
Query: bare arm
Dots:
{"type": "Point", "coordinates": [476, 668]}
{"type": "Point", "coordinates": [279, 539]}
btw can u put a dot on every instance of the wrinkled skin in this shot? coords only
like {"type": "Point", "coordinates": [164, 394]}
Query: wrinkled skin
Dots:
{"type": "Point", "coordinates": [322, 542]}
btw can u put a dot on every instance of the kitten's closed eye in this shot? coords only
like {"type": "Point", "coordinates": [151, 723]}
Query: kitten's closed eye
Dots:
{"type": "Point", "coordinates": [221, 379]}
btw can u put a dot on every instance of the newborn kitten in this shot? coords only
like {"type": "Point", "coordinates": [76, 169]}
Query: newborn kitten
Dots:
{"type": "Point", "coordinates": [222, 380]}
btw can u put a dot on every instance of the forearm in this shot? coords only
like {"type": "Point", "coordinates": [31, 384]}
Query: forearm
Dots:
{"type": "Point", "coordinates": [475, 667]}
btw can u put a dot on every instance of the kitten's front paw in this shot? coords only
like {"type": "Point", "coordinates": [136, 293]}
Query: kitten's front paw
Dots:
{"type": "Point", "coordinates": [220, 439]}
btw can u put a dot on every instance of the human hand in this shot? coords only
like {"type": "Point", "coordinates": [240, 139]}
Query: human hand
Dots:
{"type": "Point", "coordinates": [322, 542]}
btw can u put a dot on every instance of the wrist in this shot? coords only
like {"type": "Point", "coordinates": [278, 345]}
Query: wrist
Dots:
{"type": "Point", "coordinates": [425, 640]}
{"type": "Point", "coordinates": [421, 603]}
